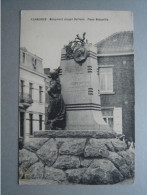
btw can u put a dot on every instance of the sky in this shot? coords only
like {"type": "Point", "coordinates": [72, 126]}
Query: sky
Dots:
{"type": "Point", "coordinates": [45, 38]}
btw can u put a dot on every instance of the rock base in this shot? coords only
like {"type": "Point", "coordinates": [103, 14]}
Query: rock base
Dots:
{"type": "Point", "coordinates": [62, 158]}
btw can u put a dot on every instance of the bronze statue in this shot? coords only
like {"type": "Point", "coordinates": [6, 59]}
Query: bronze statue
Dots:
{"type": "Point", "coordinates": [76, 50]}
{"type": "Point", "coordinates": [56, 107]}
{"type": "Point", "coordinates": [79, 39]}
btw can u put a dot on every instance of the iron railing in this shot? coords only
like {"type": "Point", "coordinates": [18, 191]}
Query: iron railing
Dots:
{"type": "Point", "coordinates": [25, 98]}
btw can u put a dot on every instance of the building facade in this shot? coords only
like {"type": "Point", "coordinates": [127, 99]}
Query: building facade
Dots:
{"type": "Point", "coordinates": [47, 98]}
{"type": "Point", "coordinates": [115, 56]}
{"type": "Point", "coordinates": [31, 94]}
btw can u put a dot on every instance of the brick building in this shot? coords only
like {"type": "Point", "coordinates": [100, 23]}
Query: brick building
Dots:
{"type": "Point", "coordinates": [31, 94]}
{"type": "Point", "coordinates": [115, 56]}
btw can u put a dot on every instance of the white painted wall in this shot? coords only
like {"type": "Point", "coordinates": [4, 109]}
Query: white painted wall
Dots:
{"type": "Point", "coordinates": [36, 107]}
{"type": "Point", "coordinates": [117, 114]}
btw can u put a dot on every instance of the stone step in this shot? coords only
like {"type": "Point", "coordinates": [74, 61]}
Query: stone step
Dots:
{"type": "Point", "coordinates": [74, 134]}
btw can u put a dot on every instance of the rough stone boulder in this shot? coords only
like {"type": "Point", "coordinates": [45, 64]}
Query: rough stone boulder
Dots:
{"type": "Point", "coordinates": [129, 157]}
{"type": "Point", "coordinates": [101, 171]}
{"type": "Point", "coordinates": [26, 158]}
{"type": "Point", "coordinates": [96, 148]}
{"type": "Point", "coordinates": [60, 141]}
{"type": "Point", "coordinates": [119, 145]}
{"type": "Point", "coordinates": [74, 147]}
{"type": "Point", "coordinates": [75, 175]}
{"type": "Point", "coordinates": [109, 145]}
{"type": "Point", "coordinates": [120, 163]}
{"type": "Point", "coordinates": [36, 171]}
{"type": "Point", "coordinates": [55, 174]}
{"type": "Point", "coordinates": [69, 157]}
{"type": "Point", "coordinates": [21, 173]}
{"type": "Point", "coordinates": [48, 153]}
{"type": "Point", "coordinates": [67, 162]}
{"type": "Point", "coordinates": [34, 144]}
{"type": "Point", "coordinates": [85, 162]}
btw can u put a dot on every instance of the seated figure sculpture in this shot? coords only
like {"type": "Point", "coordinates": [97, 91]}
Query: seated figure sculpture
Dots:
{"type": "Point", "coordinates": [56, 108]}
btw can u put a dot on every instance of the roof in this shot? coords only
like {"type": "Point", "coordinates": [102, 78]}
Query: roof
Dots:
{"type": "Point", "coordinates": [26, 51]}
{"type": "Point", "coordinates": [120, 42]}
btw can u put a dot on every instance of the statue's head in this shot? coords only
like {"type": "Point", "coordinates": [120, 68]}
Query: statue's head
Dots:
{"type": "Point", "coordinates": [54, 74]}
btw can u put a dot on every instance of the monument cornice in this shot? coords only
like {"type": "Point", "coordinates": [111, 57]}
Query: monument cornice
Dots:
{"type": "Point", "coordinates": [83, 106]}
{"type": "Point", "coordinates": [115, 54]}
{"type": "Point", "coordinates": [31, 71]}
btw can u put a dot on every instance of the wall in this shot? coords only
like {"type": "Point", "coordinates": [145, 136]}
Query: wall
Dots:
{"type": "Point", "coordinates": [36, 107]}
{"type": "Point", "coordinates": [34, 74]}
{"type": "Point", "coordinates": [123, 85]}
{"type": "Point", "coordinates": [47, 98]}
{"type": "Point", "coordinates": [28, 62]}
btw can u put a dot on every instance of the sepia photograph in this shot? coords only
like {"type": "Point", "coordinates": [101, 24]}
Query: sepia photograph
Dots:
{"type": "Point", "coordinates": [76, 98]}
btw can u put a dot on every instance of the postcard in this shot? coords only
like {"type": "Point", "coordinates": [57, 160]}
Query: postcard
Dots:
{"type": "Point", "coordinates": [76, 97]}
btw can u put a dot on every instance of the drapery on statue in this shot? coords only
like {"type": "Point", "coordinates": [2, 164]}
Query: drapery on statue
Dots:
{"type": "Point", "coordinates": [56, 108]}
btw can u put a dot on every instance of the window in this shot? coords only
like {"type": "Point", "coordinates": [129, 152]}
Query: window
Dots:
{"type": "Point", "coordinates": [40, 122]}
{"type": "Point", "coordinates": [31, 123]}
{"type": "Point", "coordinates": [31, 89]}
{"type": "Point", "coordinates": [113, 117]}
{"type": "Point", "coordinates": [106, 79]}
{"type": "Point", "coordinates": [21, 133]}
{"type": "Point", "coordinates": [34, 62]}
{"type": "Point", "coordinates": [40, 94]}
{"type": "Point", "coordinates": [22, 88]}
{"type": "Point", "coordinates": [23, 57]}
{"type": "Point", "coordinates": [108, 116]}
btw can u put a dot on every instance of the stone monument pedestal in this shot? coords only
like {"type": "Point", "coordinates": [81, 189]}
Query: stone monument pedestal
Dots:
{"type": "Point", "coordinates": [75, 157]}
{"type": "Point", "coordinates": [80, 89]}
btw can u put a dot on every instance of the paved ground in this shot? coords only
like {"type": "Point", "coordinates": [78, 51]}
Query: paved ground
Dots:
{"type": "Point", "coordinates": [127, 181]}
{"type": "Point", "coordinates": [47, 182]}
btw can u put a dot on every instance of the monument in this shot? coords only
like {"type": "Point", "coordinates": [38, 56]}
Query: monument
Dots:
{"type": "Point", "coordinates": [85, 151]}
{"type": "Point", "coordinates": [80, 86]}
